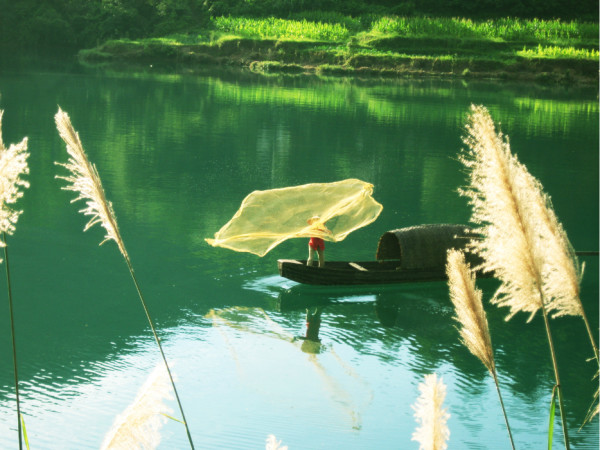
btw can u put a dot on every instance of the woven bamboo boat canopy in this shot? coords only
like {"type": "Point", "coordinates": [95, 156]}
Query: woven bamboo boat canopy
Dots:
{"type": "Point", "coordinates": [424, 246]}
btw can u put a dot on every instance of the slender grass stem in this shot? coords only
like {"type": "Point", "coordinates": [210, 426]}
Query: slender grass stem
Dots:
{"type": "Point", "coordinates": [139, 291]}
{"type": "Point", "coordinates": [14, 345]}
{"type": "Point", "coordinates": [590, 334]}
{"type": "Point", "coordinates": [563, 415]}
{"type": "Point", "coordinates": [512, 442]}
{"type": "Point", "coordinates": [592, 411]}
{"type": "Point", "coordinates": [557, 378]}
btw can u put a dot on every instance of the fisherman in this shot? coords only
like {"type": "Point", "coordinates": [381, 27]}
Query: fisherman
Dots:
{"type": "Point", "coordinates": [316, 244]}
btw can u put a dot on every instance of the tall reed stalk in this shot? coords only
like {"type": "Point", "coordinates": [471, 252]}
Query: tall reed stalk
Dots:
{"type": "Point", "coordinates": [14, 344]}
{"type": "Point", "coordinates": [85, 181]}
{"type": "Point", "coordinates": [521, 242]}
{"type": "Point", "coordinates": [13, 165]}
{"type": "Point", "coordinates": [474, 331]}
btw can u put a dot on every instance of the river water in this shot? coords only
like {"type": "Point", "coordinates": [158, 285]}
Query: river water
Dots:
{"type": "Point", "coordinates": [177, 153]}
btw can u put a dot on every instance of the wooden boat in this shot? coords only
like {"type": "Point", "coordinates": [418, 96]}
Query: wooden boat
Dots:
{"type": "Point", "coordinates": [354, 273]}
{"type": "Point", "coordinates": [405, 255]}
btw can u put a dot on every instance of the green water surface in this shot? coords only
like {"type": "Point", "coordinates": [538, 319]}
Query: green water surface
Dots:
{"type": "Point", "coordinates": [177, 153]}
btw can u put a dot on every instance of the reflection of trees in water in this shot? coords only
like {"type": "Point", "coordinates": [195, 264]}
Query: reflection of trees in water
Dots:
{"type": "Point", "coordinates": [191, 135]}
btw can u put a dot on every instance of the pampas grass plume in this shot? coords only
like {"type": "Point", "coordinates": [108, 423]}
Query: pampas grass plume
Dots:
{"type": "Point", "coordinates": [138, 427]}
{"type": "Point", "coordinates": [433, 432]}
{"type": "Point", "coordinates": [274, 444]}
{"type": "Point", "coordinates": [523, 244]}
{"type": "Point", "coordinates": [474, 331]}
{"type": "Point", "coordinates": [84, 180]}
{"type": "Point", "coordinates": [13, 165]}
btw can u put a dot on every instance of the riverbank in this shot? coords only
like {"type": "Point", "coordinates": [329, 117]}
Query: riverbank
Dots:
{"type": "Point", "coordinates": [562, 53]}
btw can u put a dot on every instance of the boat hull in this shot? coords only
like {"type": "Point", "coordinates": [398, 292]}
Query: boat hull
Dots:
{"type": "Point", "coordinates": [355, 273]}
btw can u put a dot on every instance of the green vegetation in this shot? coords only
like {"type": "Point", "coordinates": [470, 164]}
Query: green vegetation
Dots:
{"type": "Point", "coordinates": [559, 52]}
{"type": "Point", "coordinates": [548, 51]}
{"type": "Point", "coordinates": [65, 23]}
{"type": "Point", "coordinates": [506, 29]}
{"type": "Point", "coordinates": [375, 37]}
{"type": "Point", "coordinates": [272, 28]}
{"type": "Point", "coordinates": [340, 29]}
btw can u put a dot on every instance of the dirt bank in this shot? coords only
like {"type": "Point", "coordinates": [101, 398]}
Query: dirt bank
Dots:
{"type": "Point", "coordinates": [273, 56]}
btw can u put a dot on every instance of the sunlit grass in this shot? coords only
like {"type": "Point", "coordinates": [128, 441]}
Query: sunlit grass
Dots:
{"type": "Point", "coordinates": [336, 27]}
{"type": "Point", "coordinates": [507, 29]}
{"type": "Point", "coordinates": [354, 24]}
{"type": "Point", "coordinates": [555, 52]}
{"type": "Point", "coordinates": [281, 28]}
{"type": "Point", "coordinates": [348, 36]}
{"type": "Point", "coordinates": [386, 46]}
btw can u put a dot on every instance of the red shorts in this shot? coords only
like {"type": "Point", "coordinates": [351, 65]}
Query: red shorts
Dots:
{"type": "Point", "coordinates": [316, 243]}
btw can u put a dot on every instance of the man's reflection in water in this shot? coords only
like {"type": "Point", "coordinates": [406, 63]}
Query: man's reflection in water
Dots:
{"type": "Point", "coordinates": [312, 343]}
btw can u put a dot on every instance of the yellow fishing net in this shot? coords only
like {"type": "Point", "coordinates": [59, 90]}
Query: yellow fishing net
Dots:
{"type": "Point", "coordinates": [329, 211]}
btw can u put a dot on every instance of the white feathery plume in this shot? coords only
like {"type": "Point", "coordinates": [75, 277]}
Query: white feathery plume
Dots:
{"type": "Point", "coordinates": [562, 272]}
{"type": "Point", "coordinates": [474, 331]}
{"type": "Point", "coordinates": [433, 431]}
{"type": "Point", "coordinates": [522, 242]}
{"type": "Point", "coordinates": [274, 444]}
{"type": "Point", "coordinates": [84, 180]}
{"type": "Point", "coordinates": [13, 165]}
{"type": "Point", "coordinates": [138, 427]}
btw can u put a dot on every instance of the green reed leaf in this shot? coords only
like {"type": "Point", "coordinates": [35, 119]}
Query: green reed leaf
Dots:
{"type": "Point", "coordinates": [552, 414]}
{"type": "Point", "coordinates": [173, 418]}
{"type": "Point", "coordinates": [25, 432]}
